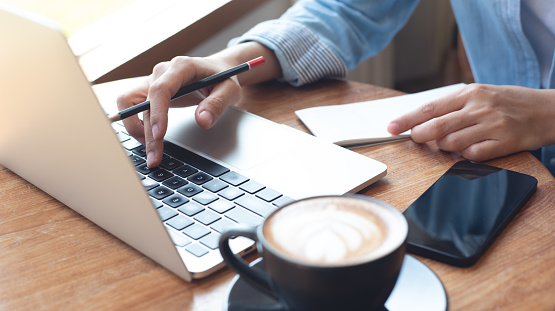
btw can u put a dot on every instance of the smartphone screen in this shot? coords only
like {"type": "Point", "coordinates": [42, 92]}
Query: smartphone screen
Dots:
{"type": "Point", "coordinates": [459, 216]}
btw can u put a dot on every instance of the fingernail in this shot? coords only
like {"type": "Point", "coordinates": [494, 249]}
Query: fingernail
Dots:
{"type": "Point", "coordinates": [206, 115]}
{"type": "Point", "coordinates": [393, 128]}
{"type": "Point", "coordinates": [150, 158]}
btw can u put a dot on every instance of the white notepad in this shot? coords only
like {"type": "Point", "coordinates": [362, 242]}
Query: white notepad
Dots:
{"type": "Point", "coordinates": [366, 122]}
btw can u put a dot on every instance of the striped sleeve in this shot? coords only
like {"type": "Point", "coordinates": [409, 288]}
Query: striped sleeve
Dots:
{"type": "Point", "coordinates": [302, 56]}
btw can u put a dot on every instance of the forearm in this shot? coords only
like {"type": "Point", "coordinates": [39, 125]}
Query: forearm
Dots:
{"type": "Point", "coordinates": [249, 50]}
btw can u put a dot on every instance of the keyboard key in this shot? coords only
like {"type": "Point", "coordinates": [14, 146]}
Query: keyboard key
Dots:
{"type": "Point", "coordinates": [175, 200]}
{"type": "Point", "coordinates": [144, 169]}
{"type": "Point", "coordinates": [243, 216]}
{"type": "Point", "coordinates": [268, 194]}
{"type": "Point", "coordinates": [175, 182]}
{"type": "Point", "coordinates": [195, 160]}
{"type": "Point", "coordinates": [221, 206]}
{"type": "Point", "coordinates": [140, 151]}
{"type": "Point", "coordinates": [234, 178]}
{"type": "Point", "coordinates": [171, 164]}
{"type": "Point", "coordinates": [190, 209]}
{"type": "Point", "coordinates": [116, 128]}
{"type": "Point", "coordinates": [160, 175]}
{"type": "Point", "coordinates": [231, 193]}
{"type": "Point", "coordinates": [189, 190]}
{"type": "Point", "coordinates": [131, 144]}
{"type": "Point", "coordinates": [149, 183]}
{"type": "Point", "coordinates": [199, 178]}
{"type": "Point", "coordinates": [123, 137]}
{"type": "Point", "coordinates": [166, 213]}
{"type": "Point", "coordinates": [180, 222]}
{"type": "Point", "coordinates": [136, 160]}
{"type": "Point", "coordinates": [206, 217]}
{"type": "Point", "coordinates": [205, 197]}
{"type": "Point", "coordinates": [215, 185]}
{"type": "Point", "coordinates": [196, 231]}
{"type": "Point", "coordinates": [197, 250]}
{"type": "Point", "coordinates": [251, 186]}
{"type": "Point", "coordinates": [281, 201]}
{"type": "Point", "coordinates": [185, 171]}
{"type": "Point", "coordinates": [211, 241]}
{"type": "Point", "coordinates": [255, 205]}
{"type": "Point", "coordinates": [160, 192]}
{"type": "Point", "coordinates": [156, 203]}
{"type": "Point", "coordinates": [222, 224]}
{"type": "Point", "coordinates": [178, 238]}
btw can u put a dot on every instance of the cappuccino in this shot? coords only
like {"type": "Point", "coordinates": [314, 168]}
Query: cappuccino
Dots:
{"type": "Point", "coordinates": [325, 253]}
{"type": "Point", "coordinates": [331, 231]}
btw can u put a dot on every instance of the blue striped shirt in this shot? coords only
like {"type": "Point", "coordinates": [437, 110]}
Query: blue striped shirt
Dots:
{"type": "Point", "coordinates": [326, 38]}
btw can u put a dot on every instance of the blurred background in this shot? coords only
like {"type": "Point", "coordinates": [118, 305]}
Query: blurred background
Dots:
{"type": "Point", "coordinates": [117, 39]}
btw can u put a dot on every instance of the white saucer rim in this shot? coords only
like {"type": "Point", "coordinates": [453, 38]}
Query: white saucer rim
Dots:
{"type": "Point", "coordinates": [257, 260]}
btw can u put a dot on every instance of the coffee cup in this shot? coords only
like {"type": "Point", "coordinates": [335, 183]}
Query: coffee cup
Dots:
{"type": "Point", "coordinates": [325, 253]}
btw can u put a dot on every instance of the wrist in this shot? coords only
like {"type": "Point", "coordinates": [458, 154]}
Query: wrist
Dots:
{"type": "Point", "coordinates": [547, 120]}
{"type": "Point", "coordinates": [551, 122]}
{"type": "Point", "coordinates": [245, 52]}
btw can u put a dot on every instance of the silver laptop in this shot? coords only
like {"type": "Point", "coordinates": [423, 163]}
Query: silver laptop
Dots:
{"type": "Point", "coordinates": [55, 134]}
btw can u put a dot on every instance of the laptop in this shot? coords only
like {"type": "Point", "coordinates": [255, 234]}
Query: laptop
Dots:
{"type": "Point", "coordinates": [55, 134]}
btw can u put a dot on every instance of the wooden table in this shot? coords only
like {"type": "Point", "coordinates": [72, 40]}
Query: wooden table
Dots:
{"type": "Point", "coordinates": [52, 258]}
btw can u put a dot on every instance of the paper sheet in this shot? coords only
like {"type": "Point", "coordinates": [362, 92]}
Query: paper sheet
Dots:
{"type": "Point", "coordinates": [366, 122]}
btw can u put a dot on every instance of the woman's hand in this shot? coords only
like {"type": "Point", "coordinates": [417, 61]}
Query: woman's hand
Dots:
{"type": "Point", "coordinates": [484, 121]}
{"type": "Point", "coordinates": [162, 84]}
{"type": "Point", "coordinates": [168, 77]}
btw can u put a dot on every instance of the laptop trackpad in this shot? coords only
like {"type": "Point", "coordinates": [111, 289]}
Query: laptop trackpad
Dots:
{"type": "Point", "coordinates": [239, 138]}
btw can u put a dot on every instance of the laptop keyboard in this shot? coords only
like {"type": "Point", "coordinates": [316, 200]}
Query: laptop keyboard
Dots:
{"type": "Point", "coordinates": [197, 198]}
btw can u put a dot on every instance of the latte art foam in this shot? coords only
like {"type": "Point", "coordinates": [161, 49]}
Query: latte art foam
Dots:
{"type": "Point", "coordinates": [326, 231]}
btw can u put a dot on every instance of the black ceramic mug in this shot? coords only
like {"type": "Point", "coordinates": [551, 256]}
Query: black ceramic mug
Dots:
{"type": "Point", "coordinates": [326, 253]}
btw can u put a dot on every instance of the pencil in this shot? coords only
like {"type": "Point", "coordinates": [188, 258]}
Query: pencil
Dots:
{"type": "Point", "coordinates": [213, 79]}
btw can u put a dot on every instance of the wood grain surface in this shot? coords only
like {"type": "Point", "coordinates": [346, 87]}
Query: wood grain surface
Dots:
{"type": "Point", "coordinates": [54, 259]}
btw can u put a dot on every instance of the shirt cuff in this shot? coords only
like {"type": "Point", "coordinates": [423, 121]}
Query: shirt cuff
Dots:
{"type": "Point", "coordinates": [302, 56]}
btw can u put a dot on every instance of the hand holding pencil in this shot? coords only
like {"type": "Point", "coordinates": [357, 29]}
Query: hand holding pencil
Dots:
{"type": "Point", "coordinates": [195, 86]}
{"type": "Point", "coordinates": [181, 77]}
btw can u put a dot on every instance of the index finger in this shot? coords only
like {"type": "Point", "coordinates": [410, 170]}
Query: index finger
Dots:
{"type": "Point", "coordinates": [426, 112]}
{"type": "Point", "coordinates": [181, 71]}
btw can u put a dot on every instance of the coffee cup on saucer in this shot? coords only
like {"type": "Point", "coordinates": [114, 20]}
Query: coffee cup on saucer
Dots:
{"type": "Point", "coordinates": [325, 253]}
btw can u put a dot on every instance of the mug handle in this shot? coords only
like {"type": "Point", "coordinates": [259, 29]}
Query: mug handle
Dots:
{"type": "Point", "coordinates": [259, 279]}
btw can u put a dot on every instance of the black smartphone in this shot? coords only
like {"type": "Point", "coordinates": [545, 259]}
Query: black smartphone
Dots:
{"type": "Point", "coordinates": [462, 213]}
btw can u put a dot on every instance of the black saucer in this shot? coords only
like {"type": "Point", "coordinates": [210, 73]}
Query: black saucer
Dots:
{"type": "Point", "coordinates": [418, 288]}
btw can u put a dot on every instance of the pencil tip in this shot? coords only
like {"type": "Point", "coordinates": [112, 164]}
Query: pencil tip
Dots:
{"type": "Point", "coordinates": [114, 118]}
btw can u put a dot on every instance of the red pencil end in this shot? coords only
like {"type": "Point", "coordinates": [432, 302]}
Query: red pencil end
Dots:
{"type": "Point", "coordinates": [259, 61]}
